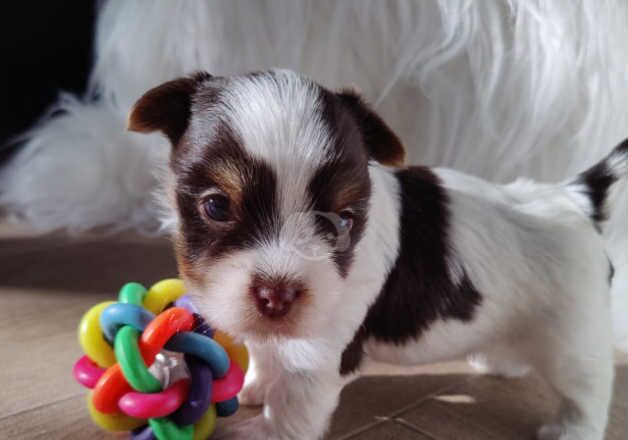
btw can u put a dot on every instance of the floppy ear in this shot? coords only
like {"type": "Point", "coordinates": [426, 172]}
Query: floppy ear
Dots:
{"type": "Point", "coordinates": [382, 143]}
{"type": "Point", "coordinates": [166, 108]}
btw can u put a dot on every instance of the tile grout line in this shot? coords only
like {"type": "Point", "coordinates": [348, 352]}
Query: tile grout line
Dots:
{"type": "Point", "coordinates": [422, 400]}
{"type": "Point", "coordinates": [359, 430]}
{"type": "Point", "coordinates": [412, 427]}
{"type": "Point", "coordinates": [36, 407]}
{"type": "Point", "coordinates": [453, 413]}
{"type": "Point", "coordinates": [393, 415]}
{"type": "Point", "coordinates": [466, 421]}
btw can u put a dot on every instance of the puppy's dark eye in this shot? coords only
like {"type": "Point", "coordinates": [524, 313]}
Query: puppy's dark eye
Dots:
{"type": "Point", "coordinates": [346, 220]}
{"type": "Point", "coordinates": [216, 207]}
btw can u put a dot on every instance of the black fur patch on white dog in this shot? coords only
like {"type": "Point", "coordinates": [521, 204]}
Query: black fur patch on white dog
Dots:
{"type": "Point", "coordinates": [419, 289]}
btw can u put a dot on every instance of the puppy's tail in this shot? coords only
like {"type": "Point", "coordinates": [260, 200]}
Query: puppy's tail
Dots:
{"type": "Point", "coordinates": [592, 186]}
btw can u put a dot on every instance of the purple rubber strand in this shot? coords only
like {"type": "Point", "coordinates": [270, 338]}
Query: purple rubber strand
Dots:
{"type": "Point", "coordinates": [186, 302]}
{"type": "Point", "coordinates": [199, 397]}
{"type": "Point", "coordinates": [143, 433]}
{"type": "Point", "coordinates": [201, 326]}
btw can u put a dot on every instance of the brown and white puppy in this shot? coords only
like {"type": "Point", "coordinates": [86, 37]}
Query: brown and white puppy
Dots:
{"type": "Point", "coordinates": [293, 233]}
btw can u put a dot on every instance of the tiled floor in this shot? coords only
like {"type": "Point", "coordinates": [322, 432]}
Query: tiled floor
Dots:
{"type": "Point", "coordinates": [47, 283]}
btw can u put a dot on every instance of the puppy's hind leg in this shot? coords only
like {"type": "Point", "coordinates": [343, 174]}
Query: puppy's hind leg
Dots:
{"type": "Point", "coordinates": [576, 358]}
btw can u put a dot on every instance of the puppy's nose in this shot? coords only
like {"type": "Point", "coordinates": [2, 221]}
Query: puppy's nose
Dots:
{"type": "Point", "coordinates": [274, 299]}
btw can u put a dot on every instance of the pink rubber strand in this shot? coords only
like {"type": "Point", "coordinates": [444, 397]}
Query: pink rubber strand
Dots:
{"type": "Point", "coordinates": [153, 405]}
{"type": "Point", "coordinates": [87, 372]}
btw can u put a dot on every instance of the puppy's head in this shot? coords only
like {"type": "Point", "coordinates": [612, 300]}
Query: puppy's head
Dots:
{"type": "Point", "coordinates": [271, 189]}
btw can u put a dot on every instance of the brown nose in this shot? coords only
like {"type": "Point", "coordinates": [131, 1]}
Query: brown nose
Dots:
{"type": "Point", "coordinates": [274, 298]}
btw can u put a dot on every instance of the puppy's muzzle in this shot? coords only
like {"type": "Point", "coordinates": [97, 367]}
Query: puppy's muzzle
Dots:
{"type": "Point", "coordinates": [274, 298]}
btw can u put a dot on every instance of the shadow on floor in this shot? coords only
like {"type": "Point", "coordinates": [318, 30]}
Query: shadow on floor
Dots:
{"type": "Point", "coordinates": [80, 265]}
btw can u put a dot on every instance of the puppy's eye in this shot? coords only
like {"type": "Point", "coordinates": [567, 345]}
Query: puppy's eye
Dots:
{"type": "Point", "coordinates": [346, 220]}
{"type": "Point", "coordinates": [216, 207]}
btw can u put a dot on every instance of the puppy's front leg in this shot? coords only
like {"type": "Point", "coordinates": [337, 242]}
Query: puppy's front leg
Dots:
{"type": "Point", "coordinates": [260, 376]}
{"type": "Point", "coordinates": [298, 406]}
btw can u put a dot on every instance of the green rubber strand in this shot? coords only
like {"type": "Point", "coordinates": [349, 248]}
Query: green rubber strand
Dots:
{"type": "Point", "coordinates": [133, 367]}
{"type": "Point", "coordinates": [165, 429]}
{"type": "Point", "coordinates": [132, 293]}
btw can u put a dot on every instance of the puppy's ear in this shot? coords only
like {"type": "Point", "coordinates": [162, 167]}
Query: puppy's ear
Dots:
{"type": "Point", "coordinates": [382, 143]}
{"type": "Point", "coordinates": [166, 108]}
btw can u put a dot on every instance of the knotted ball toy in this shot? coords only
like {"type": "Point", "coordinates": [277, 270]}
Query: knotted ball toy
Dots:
{"type": "Point", "coordinates": [155, 367]}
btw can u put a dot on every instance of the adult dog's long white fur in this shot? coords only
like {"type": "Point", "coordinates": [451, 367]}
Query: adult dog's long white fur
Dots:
{"type": "Point", "coordinates": [496, 88]}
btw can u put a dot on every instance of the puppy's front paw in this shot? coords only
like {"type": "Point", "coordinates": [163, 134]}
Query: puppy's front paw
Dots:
{"type": "Point", "coordinates": [253, 393]}
{"type": "Point", "coordinates": [254, 428]}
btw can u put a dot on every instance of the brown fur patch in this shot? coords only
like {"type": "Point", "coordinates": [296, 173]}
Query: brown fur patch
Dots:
{"type": "Point", "coordinates": [249, 183]}
{"type": "Point", "coordinates": [165, 108]}
{"type": "Point", "coordinates": [343, 182]}
{"type": "Point", "coordinates": [382, 143]}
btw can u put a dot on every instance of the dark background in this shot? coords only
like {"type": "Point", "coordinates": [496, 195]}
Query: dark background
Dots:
{"type": "Point", "coordinates": [45, 47]}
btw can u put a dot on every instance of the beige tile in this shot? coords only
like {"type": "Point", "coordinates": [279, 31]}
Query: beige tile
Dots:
{"type": "Point", "coordinates": [487, 407]}
{"type": "Point", "coordinates": [374, 396]}
{"type": "Point", "coordinates": [438, 422]}
{"type": "Point", "coordinates": [68, 419]}
{"type": "Point", "coordinates": [388, 430]}
{"type": "Point", "coordinates": [39, 344]}
{"type": "Point", "coordinates": [65, 419]}
{"type": "Point", "coordinates": [43, 294]}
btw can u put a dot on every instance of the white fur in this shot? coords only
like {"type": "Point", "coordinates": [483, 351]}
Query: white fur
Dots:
{"type": "Point", "coordinates": [110, 179]}
{"type": "Point", "coordinates": [497, 88]}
